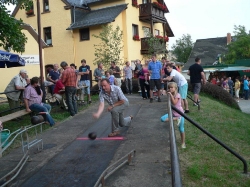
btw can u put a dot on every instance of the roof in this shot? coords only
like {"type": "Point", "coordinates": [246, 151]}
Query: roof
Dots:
{"type": "Point", "coordinates": [207, 50]}
{"type": "Point", "coordinates": [96, 17]}
{"type": "Point", "coordinates": [168, 29]}
{"type": "Point", "coordinates": [79, 3]}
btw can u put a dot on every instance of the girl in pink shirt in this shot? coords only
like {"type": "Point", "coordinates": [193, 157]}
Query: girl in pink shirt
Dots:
{"type": "Point", "coordinates": [176, 101]}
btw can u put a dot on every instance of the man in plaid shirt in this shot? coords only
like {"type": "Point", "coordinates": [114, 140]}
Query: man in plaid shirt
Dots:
{"type": "Point", "coordinates": [117, 104]}
{"type": "Point", "coordinates": [69, 80]}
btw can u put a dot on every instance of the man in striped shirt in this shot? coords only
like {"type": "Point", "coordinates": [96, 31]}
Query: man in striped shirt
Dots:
{"type": "Point", "coordinates": [117, 104]}
{"type": "Point", "coordinates": [69, 80]}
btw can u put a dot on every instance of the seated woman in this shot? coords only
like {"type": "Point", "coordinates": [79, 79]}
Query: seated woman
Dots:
{"type": "Point", "coordinates": [33, 100]}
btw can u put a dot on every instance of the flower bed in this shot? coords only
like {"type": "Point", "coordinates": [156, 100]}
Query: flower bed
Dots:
{"type": "Point", "coordinates": [162, 38]}
{"type": "Point", "coordinates": [160, 6]}
{"type": "Point", "coordinates": [135, 3]}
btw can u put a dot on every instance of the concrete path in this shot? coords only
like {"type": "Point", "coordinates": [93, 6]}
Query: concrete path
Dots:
{"type": "Point", "coordinates": [244, 106]}
{"type": "Point", "coordinates": [68, 161]}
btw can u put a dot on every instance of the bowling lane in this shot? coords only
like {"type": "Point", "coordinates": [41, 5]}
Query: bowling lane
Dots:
{"type": "Point", "coordinates": [82, 162]}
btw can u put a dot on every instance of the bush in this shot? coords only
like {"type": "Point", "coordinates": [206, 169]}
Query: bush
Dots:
{"type": "Point", "coordinates": [218, 93]}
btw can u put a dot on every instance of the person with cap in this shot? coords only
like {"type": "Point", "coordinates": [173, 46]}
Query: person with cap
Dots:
{"type": "Point", "coordinates": [15, 88]}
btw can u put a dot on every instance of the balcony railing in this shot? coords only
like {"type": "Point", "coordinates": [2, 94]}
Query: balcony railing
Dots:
{"type": "Point", "coordinates": [148, 12]}
{"type": "Point", "coordinates": [159, 47]}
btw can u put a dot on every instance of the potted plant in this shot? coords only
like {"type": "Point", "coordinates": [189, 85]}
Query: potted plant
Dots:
{"type": "Point", "coordinates": [160, 6]}
{"type": "Point", "coordinates": [135, 3]}
{"type": "Point", "coordinates": [136, 37]}
{"type": "Point", "coordinates": [30, 12]}
{"type": "Point", "coordinates": [162, 38]}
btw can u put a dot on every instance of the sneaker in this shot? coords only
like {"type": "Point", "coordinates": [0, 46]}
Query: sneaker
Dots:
{"type": "Point", "coordinates": [159, 99]}
{"type": "Point", "coordinates": [146, 82]}
{"type": "Point", "coordinates": [90, 102]}
{"type": "Point", "coordinates": [183, 146]}
{"type": "Point", "coordinates": [195, 104]}
{"type": "Point", "coordinates": [186, 111]}
{"type": "Point", "coordinates": [178, 122]}
{"type": "Point", "coordinates": [151, 100]}
{"type": "Point", "coordinates": [199, 101]}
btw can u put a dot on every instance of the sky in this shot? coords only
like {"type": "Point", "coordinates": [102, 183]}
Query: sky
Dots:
{"type": "Point", "coordinates": [205, 18]}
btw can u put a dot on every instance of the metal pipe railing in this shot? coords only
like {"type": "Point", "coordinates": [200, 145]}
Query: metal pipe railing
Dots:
{"type": "Point", "coordinates": [213, 137]}
{"type": "Point", "coordinates": [198, 103]}
{"type": "Point", "coordinates": [175, 166]}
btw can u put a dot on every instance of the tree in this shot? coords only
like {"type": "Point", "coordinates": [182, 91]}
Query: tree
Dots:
{"type": "Point", "coordinates": [239, 48]}
{"type": "Point", "coordinates": [11, 36]}
{"type": "Point", "coordinates": [110, 47]}
{"type": "Point", "coordinates": [182, 48]}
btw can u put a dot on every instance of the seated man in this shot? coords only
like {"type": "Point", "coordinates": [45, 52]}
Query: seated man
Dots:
{"type": "Point", "coordinates": [15, 88]}
{"type": "Point", "coordinates": [33, 100]}
{"type": "Point", "coordinates": [117, 104]}
{"type": "Point", "coordinates": [59, 91]}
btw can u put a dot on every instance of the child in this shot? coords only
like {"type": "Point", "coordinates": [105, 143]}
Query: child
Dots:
{"type": "Point", "coordinates": [111, 77]}
{"type": "Point", "coordinates": [176, 101]}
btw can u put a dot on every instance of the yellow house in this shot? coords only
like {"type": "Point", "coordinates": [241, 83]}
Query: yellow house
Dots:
{"type": "Point", "coordinates": [67, 27]}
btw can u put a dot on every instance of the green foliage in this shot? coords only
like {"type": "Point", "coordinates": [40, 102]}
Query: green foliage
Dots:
{"type": "Point", "coordinates": [218, 93]}
{"type": "Point", "coordinates": [239, 48]}
{"type": "Point", "coordinates": [182, 48]}
{"type": "Point", "coordinates": [156, 45]}
{"type": "Point", "coordinates": [110, 47]}
{"type": "Point", "coordinates": [10, 30]}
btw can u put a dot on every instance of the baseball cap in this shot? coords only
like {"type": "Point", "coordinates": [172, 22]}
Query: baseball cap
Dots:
{"type": "Point", "coordinates": [23, 71]}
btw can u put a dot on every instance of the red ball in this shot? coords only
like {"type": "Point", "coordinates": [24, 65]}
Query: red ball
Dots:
{"type": "Point", "coordinates": [92, 136]}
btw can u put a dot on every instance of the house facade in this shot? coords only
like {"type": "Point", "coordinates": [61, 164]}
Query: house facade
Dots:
{"type": "Point", "coordinates": [67, 27]}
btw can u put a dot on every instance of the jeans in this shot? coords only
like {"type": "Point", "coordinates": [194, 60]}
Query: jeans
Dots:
{"type": "Point", "coordinates": [129, 87]}
{"type": "Point", "coordinates": [246, 94]}
{"type": "Point", "coordinates": [43, 108]}
{"type": "Point", "coordinates": [143, 86]}
{"type": "Point", "coordinates": [70, 93]}
{"type": "Point", "coordinates": [117, 117]}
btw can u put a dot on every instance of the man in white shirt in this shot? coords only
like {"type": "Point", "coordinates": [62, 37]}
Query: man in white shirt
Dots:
{"type": "Point", "coordinates": [182, 85]}
{"type": "Point", "coordinates": [14, 89]}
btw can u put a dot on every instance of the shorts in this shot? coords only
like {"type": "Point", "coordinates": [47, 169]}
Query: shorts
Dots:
{"type": "Point", "coordinates": [85, 83]}
{"type": "Point", "coordinates": [181, 125]}
{"type": "Point", "coordinates": [196, 88]}
{"type": "Point", "coordinates": [155, 83]}
{"type": "Point", "coordinates": [183, 91]}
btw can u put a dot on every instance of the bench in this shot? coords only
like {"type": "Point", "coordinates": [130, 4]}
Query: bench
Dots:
{"type": "Point", "coordinates": [14, 115]}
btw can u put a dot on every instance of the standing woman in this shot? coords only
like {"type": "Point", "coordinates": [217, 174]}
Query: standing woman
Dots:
{"type": "Point", "coordinates": [237, 89]}
{"type": "Point", "coordinates": [143, 79]}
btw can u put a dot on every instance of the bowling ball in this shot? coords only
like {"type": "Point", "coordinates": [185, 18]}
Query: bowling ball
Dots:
{"type": "Point", "coordinates": [92, 136]}
{"type": "Point", "coordinates": [37, 119]}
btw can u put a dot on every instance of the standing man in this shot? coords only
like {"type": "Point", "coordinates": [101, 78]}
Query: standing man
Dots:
{"type": "Point", "coordinates": [117, 73]}
{"type": "Point", "coordinates": [84, 80]}
{"type": "Point", "coordinates": [138, 68]}
{"type": "Point", "coordinates": [117, 104]}
{"type": "Point", "coordinates": [54, 75]}
{"type": "Point", "coordinates": [180, 80]}
{"type": "Point", "coordinates": [17, 84]}
{"type": "Point", "coordinates": [69, 81]}
{"type": "Point", "coordinates": [128, 75]}
{"type": "Point", "coordinates": [154, 68]}
{"type": "Point", "coordinates": [196, 73]}
{"type": "Point", "coordinates": [99, 74]}
{"type": "Point", "coordinates": [230, 85]}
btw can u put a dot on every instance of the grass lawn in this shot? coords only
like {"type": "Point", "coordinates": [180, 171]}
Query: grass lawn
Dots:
{"type": "Point", "coordinates": [204, 163]}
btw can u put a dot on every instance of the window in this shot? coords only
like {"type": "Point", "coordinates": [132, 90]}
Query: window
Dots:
{"type": "Point", "coordinates": [47, 35]}
{"type": "Point", "coordinates": [146, 31]}
{"type": "Point", "coordinates": [135, 31]}
{"type": "Point", "coordinates": [144, 1]}
{"type": "Point", "coordinates": [45, 5]}
{"type": "Point", "coordinates": [84, 34]}
{"type": "Point", "coordinates": [157, 32]}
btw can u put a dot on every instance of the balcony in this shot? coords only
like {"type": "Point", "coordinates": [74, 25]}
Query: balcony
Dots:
{"type": "Point", "coordinates": [150, 12]}
{"type": "Point", "coordinates": [159, 47]}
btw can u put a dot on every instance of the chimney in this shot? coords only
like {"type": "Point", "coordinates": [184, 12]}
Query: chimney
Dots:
{"type": "Point", "coordinates": [229, 38]}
